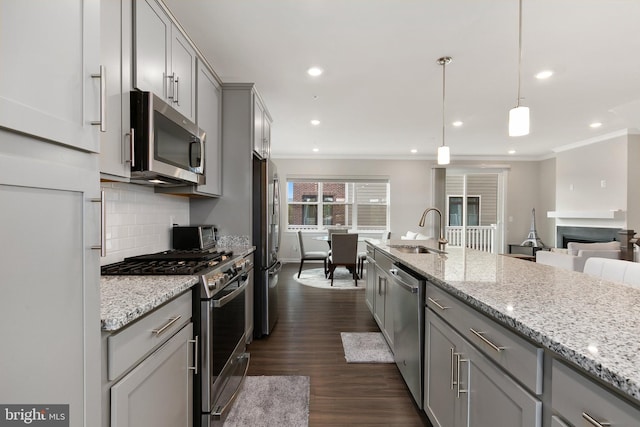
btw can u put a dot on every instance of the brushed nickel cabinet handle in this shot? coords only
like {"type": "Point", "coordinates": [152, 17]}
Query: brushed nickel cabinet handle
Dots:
{"type": "Point", "coordinates": [164, 328]}
{"type": "Point", "coordinates": [103, 225]}
{"type": "Point", "coordinates": [437, 304]}
{"type": "Point", "coordinates": [176, 85]}
{"type": "Point", "coordinates": [194, 368]}
{"type": "Point", "coordinates": [485, 340]}
{"type": "Point", "coordinates": [459, 360]}
{"type": "Point", "coordinates": [170, 86]}
{"type": "Point", "coordinates": [102, 75]}
{"type": "Point", "coordinates": [594, 422]}
{"type": "Point", "coordinates": [452, 362]}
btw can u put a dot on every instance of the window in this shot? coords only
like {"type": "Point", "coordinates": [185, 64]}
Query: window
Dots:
{"type": "Point", "coordinates": [316, 205]}
{"type": "Point", "coordinates": [455, 210]}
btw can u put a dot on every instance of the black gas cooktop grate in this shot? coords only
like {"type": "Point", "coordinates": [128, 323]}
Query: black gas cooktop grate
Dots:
{"type": "Point", "coordinates": [172, 262]}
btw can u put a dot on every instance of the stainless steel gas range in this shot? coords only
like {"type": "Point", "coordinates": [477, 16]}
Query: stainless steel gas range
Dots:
{"type": "Point", "coordinates": [219, 317]}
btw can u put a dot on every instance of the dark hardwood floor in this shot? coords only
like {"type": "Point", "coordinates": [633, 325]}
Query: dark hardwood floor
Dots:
{"type": "Point", "coordinates": [306, 341]}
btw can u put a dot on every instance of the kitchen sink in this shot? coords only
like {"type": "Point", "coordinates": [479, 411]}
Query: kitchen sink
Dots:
{"type": "Point", "coordinates": [416, 249]}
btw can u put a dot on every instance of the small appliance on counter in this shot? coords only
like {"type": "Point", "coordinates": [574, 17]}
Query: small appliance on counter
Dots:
{"type": "Point", "coordinates": [194, 236]}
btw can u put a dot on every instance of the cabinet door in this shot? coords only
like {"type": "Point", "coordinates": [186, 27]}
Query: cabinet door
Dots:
{"type": "Point", "coordinates": [381, 291]}
{"type": "Point", "coordinates": [266, 136]}
{"type": "Point", "coordinates": [152, 48]}
{"type": "Point", "coordinates": [209, 114]}
{"type": "Point", "coordinates": [49, 298]}
{"type": "Point", "coordinates": [370, 291]}
{"type": "Point", "coordinates": [494, 398]}
{"type": "Point", "coordinates": [159, 391]}
{"type": "Point", "coordinates": [114, 143]}
{"type": "Point", "coordinates": [258, 117]}
{"type": "Point", "coordinates": [183, 72]}
{"type": "Point", "coordinates": [50, 50]}
{"type": "Point", "coordinates": [441, 402]}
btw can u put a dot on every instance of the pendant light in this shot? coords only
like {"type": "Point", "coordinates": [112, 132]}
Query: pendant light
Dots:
{"type": "Point", "coordinates": [519, 116]}
{"type": "Point", "coordinates": [443, 151]}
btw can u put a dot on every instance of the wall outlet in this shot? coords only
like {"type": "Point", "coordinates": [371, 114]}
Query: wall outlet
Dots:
{"type": "Point", "coordinates": [603, 183]}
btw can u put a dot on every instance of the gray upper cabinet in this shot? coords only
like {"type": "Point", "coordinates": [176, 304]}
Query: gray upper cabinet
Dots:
{"type": "Point", "coordinates": [261, 129]}
{"type": "Point", "coordinates": [164, 60]}
{"type": "Point", "coordinates": [209, 119]}
{"type": "Point", "coordinates": [115, 54]}
{"type": "Point", "coordinates": [48, 88]}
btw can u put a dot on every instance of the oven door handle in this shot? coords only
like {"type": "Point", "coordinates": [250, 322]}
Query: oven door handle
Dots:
{"type": "Point", "coordinates": [224, 300]}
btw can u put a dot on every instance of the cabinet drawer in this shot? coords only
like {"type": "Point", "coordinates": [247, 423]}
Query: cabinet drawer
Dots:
{"type": "Point", "coordinates": [517, 356]}
{"type": "Point", "coordinates": [135, 341]}
{"type": "Point", "coordinates": [576, 398]}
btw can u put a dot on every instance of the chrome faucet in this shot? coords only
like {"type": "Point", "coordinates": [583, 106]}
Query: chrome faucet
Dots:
{"type": "Point", "coordinates": [441, 241]}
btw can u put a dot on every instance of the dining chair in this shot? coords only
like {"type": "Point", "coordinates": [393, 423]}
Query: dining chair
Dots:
{"type": "Point", "coordinates": [344, 252]}
{"type": "Point", "coordinates": [362, 256]}
{"type": "Point", "coordinates": [332, 231]}
{"type": "Point", "coordinates": [311, 255]}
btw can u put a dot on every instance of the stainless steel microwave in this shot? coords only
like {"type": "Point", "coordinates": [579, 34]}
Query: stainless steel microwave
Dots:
{"type": "Point", "coordinates": [167, 148]}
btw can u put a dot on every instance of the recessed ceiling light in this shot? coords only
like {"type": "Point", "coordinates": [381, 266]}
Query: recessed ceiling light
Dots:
{"type": "Point", "coordinates": [544, 74]}
{"type": "Point", "coordinates": [457, 123]}
{"type": "Point", "coordinates": [315, 122]}
{"type": "Point", "coordinates": [595, 125]}
{"type": "Point", "coordinates": [314, 71]}
{"type": "Point", "coordinates": [315, 150]}
{"type": "Point", "coordinates": [414, 151]}
{"type": "Point", "coordinates": [512, 151]}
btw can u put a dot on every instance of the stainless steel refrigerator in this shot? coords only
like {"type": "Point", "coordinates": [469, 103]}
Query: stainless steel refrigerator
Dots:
{"type": "Point", "coordinates": [266, 238]}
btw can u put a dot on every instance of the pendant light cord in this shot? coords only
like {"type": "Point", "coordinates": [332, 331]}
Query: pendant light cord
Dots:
{"type": "Point", "coordinates": [444, 64]}
{"type": "Point", "coordinates": [519, 50]}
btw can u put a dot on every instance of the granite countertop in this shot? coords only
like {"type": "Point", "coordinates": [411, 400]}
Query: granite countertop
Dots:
{"type": "Point", "coordinates": [124, 299]}
{"type": "Point", "coordinates": [587, 321]}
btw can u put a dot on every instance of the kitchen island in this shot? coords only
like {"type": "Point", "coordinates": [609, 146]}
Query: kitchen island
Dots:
{"type": "Point", "coordinates": [587, 323]}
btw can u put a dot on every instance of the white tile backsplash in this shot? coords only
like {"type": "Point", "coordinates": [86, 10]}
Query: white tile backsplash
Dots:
{"type": "Point", "coordinates": [139, 220]}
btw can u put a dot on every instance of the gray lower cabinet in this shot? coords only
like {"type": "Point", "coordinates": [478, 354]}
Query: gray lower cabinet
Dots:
{"type": "Point", "coordinates": [148, 369]}
{"type": "Point", "coordinates": [383, 301]}
{"type": "Point", "coordinates": [465, 388]}
{"type": "Point", "coordinates": [557, 422]}
{"type": "Point", "coordinates": [50, 334]}
{"type": "Point", "coordinates": [159, 391]}
{"type": "Point", "coordinates": [582, 402]}
{"type": "Point", "coordinates": [370, 285]}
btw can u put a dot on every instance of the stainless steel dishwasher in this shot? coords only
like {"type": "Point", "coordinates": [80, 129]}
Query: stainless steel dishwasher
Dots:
{"type": "Point", "coordinates": [408, 327]}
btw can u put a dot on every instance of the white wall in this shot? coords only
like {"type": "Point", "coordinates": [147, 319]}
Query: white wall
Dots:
{"type": "Point", "coordinates": [546, 201]}
{"type": "Point", "coordinates": [581, 170]}
{"type": "Point", "coordinates": [139, 220]}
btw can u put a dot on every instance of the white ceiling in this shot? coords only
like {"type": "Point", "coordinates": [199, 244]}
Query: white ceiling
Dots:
{"type": "Point", "coordinates": [381, 92]}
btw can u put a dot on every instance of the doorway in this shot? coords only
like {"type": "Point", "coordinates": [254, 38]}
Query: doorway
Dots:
{"type": "Point", "coordinates": [472, 201]}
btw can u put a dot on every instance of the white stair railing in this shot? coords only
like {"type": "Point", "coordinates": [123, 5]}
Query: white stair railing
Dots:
{"type": "Point", "coordinates": [481, 237]}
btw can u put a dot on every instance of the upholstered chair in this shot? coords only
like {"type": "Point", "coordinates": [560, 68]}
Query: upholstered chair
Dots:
{"type": "Point", "coordinates": [344, 252]}
{"type": "Point", "coordinates": [578, 253]}
{"type": "Point", "coordinates": [311, 255]}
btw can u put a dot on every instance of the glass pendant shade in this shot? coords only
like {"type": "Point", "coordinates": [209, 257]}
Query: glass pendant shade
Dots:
{"type": "Point", "coordinates": [443, 155]}
{"type": "Point", "coordinates": [519, 121]}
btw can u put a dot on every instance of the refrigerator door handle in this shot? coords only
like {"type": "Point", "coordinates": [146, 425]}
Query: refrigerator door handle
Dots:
{"type": "Point", "coordinates": [275, 268]}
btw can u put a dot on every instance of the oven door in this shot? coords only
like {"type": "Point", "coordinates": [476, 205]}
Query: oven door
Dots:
{"type": "Point", "coordinates": [224, 361]}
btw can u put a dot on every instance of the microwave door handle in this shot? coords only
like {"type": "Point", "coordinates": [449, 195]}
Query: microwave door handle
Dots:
{"type": "Point", "coordinates": [200, 158]}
